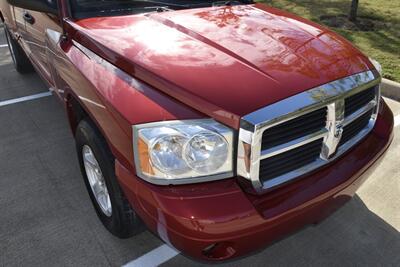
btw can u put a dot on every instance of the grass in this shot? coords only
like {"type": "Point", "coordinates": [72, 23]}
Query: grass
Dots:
{"type": "Point", "coordinates": [382, 44]}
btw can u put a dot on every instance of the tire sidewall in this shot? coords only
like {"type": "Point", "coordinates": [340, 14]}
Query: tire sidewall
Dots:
{"type": "Point", "coordinates": [86, 135]}
{"type": "Point", "coordinates": [11, 46]}
{"type": "Point", "coordinates": [21, 62]}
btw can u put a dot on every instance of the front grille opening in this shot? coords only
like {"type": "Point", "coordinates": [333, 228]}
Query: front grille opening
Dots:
{"type": "Point", "coordinates": [355, 127]}
{"type": "Point", "coordinates": [299, 127]}
{"type": "Point", "coordinates": [359, 100]}
{"type": "Point", "coordinates": [289, 161]}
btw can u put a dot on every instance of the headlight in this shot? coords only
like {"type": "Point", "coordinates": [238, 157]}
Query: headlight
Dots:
{"type": "Point", "coordinates": [176, 152]}
{"type": "Point", "coordinates": [377, 65]}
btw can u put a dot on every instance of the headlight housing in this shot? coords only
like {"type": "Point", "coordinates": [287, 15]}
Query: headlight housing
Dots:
{"type": "Point", "coordinates": [178, 152]}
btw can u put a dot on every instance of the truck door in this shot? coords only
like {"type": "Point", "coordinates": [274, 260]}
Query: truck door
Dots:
{"type": "Point", "coordinates": [37, 24]}
{"type": "Point", "coordinates": [13, 19]}
{"type": "Point", "coordinates": [19, 21]}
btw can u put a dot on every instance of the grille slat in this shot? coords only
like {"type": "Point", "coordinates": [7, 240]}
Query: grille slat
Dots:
{"type": "Point", "coordinates": [301, 126]}
{"type": "Point", "coordinates": [304, 151]}
{"type": "Point", "coordinates": [357, 101]}
{"type": "Point", "coordinates": [282, 133]}
{"type": "Point", "coordinates": [291, 160]}
{"type": "Point", "coordinates": [352, 129]}
{"type": "Point", "coordinates": [312, 116]}
{"type": "Point", "coordinates": [273, 171]}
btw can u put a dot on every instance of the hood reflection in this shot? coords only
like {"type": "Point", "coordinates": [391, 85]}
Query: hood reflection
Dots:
{"type": "Point", "coordinates": [232, 54]}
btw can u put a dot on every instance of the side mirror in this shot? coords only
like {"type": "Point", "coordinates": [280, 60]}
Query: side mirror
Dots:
{"type": "Point", "coordinates": [45, 6]}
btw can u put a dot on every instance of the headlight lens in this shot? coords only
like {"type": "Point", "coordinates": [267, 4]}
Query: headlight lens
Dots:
{"type": "Point", "coordinates": [206, 152]}
{"type": "Point", "coordinates": [165, 154]}
{"type": "Point", "coordinates": [177, 152]}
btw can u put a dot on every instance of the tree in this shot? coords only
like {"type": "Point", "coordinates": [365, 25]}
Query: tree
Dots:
{"type": "Point", "coordinates": [353, 10]}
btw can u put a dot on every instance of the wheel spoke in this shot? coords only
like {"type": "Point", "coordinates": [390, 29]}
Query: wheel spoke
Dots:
{"type": "Point", "coordinates": [97, 188]}
{"type": "Point", "coordinates": [90, 159]}
{"type": "Point", "coordinates": [96, 180]}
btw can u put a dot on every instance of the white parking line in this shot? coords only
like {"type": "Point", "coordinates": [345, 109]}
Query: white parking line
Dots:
{"type": "Point", "coordinates": [3, 45]}
{"type": "Point", "coordinates": [397, 121]}
{"type": "Point", "coordinates": [23, 99]}
{"type": "Point", "coordinates": [154, 257]}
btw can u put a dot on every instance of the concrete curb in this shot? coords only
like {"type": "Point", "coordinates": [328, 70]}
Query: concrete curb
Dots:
{"type": "Point", "coordinates": [390, 89]}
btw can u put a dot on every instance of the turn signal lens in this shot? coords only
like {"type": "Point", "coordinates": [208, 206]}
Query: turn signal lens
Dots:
{"type": "Point", "coordinates": [144, 155]}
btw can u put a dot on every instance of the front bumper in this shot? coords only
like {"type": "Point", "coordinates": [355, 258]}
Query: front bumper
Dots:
{"type": "Point", "coordinates": [221, 220]}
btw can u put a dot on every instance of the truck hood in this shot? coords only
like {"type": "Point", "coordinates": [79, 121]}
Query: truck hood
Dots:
{"type": "Point", "coordinates": [225, 61]}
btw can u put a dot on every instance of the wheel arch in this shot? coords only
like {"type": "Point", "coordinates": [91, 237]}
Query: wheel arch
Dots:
{"type": "Point", "coordinates": [76, 112]}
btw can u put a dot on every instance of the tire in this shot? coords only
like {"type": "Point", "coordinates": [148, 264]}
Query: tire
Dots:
{"type": "Point", "coordinates": [122, 222]}
{"type": "Point", "coordinates": [20, 60]}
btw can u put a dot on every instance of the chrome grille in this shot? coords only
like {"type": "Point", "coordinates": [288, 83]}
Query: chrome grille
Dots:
{"type": "Point", "coordinates": [352, 129]}
{"type": "Point", "coordinates": [294, 128]}
{"type": "Point", "coordinates": [290, 160]}
{"type": "Point", "coordinates": [359, 100]}
{"type": "Point", "coordinates": [288, 139]}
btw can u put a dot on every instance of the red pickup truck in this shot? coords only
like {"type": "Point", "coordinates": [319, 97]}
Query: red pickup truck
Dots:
{"type": "Point", "coordinates": [221, 126]}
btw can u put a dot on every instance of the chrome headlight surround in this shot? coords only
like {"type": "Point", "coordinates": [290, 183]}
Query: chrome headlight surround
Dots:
{"type": "Point", "coordinates": [179, 136]}
{"type": "Point", "coordinates": [376, 64]}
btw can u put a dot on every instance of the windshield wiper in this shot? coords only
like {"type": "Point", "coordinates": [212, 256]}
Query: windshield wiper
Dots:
{"type": "Point", "coordinates": [168, 4]}
{"type": "Point", "coordinates": [164, 4]}
{"type": "Point", "coordinates": [232, 2]}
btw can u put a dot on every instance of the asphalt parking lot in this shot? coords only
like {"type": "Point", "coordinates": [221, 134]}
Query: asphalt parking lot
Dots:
{"type": "Point", "coordinates": [46, 218]}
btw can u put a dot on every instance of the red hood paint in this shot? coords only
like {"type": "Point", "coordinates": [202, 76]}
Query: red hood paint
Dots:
{"type": "Point", "coordinates": [223, 61]}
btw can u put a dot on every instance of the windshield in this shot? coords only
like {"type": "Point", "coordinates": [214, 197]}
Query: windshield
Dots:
{"type": "Point", "coordinates": [96, 8]}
